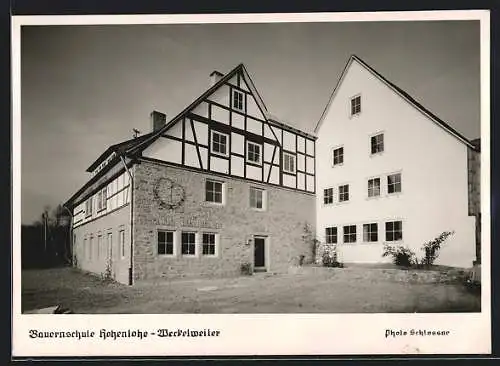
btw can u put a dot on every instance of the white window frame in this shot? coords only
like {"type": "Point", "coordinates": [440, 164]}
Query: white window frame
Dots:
{"type": "Point", "coordinates": [264, 198]}
{"type": "Point", "coordinates": [104, 198]}
{"type": "Point", "coordinates": [330, 236]}
{"type": "Point", "coordinates": [351, 99]}
{"type": "Point", "coordinates": [121, 242]}
{"type": "Point", "coordinates": [379, 187]}
{"type": "Point", "coordinates": [369, 232]}
{"type": "Point", "coordinates": [259, 162]}
{"type": "Point", "coordinates": [374, 136]}
{"type": "Point", "coordinates": [340, 194]}
{"type": "Point", "coordinates": [88, 207]}
{"type": "Point", "coordinates": [238, 92]}
{"type": "Point", "coordinates": [212, 151]}
{"type": "Point", "coordinates": [290, 155]}
{"type": "Point", "coordinates": [109, 244]}
{"type": "Point", "coordinates": [393, 231]}
{"type": "Point", "coordinates": [165, 231]}
{"type": "Point", "coordinates": [99, 245]}
{"type": "Point", "coordinates": [223, 192]}
{"type": "Point", "coordinates": [333, 155]}
{"type": "Point", "coordinates": [189, 244]}
{"type": "Point", "coordinates": [91, 249]}
{"type": "Point", "coordinates": [325, 196]}
{"type": "Point", "coordinates": [400, 183]}
{"type": "Point", "coordinates": [215, 244]}
{"type": "Point", "coordinates": [355, 233]}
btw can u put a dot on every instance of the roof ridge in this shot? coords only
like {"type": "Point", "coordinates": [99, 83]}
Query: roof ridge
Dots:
{"type": "Point", "coordinates": [398, 90]}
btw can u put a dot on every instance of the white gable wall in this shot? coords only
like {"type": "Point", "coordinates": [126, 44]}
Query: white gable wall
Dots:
{"type": "Point", "coordinates": [433, 164]}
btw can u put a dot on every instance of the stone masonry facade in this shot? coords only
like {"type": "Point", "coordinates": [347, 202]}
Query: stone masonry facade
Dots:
{"type": "Point", "coordinates": [281, 223]}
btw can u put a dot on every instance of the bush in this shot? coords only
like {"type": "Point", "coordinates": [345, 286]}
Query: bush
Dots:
{"type": "Point", "coordinates": [432, 248]}
{"type": "Point", "coordinates": [406, 257]}
{"type": "Point", "coordinates": [310, 240]}
{"type": "Point", "coordinates": [401, 256]}
{"type": "Point", "coordinates": [246, 269]}
{"type": "Point", "coordinates": [331, 261]}
{"type": "Point", "coordinates": [301, 260]}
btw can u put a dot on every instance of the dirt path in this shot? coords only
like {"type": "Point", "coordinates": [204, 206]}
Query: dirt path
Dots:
{"type": "Point", "coordinates": [323, 290]}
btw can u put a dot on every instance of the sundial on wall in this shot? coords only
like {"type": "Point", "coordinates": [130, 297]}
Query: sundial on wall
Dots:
{"type": "Point", "coordinates": [168, 193]}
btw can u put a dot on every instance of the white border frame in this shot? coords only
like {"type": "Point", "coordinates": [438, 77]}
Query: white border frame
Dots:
{"type": "Point", "coordinates": [278, 335]}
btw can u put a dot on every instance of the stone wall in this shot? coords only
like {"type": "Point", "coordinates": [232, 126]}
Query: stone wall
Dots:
{"type": "Point", "coordinates": [234, 222]}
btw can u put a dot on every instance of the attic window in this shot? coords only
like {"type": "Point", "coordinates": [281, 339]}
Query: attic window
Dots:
{"type": "Point", "coordinates": [238, 100]}
{"type": "Point", "coordinates": [356, 105]}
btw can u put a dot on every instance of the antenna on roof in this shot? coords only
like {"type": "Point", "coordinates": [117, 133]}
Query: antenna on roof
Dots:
{"type": "Point", "coordinates": [136, 132]}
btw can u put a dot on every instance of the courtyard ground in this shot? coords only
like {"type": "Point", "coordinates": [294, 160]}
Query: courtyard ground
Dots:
{"type": "Point", "coordinates": [355, 289]}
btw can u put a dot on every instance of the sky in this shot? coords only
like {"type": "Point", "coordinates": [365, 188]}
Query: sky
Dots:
{"type": "Point", "coordinates": [84, 88]}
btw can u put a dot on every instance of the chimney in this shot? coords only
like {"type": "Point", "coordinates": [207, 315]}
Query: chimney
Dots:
{"type": "Point", "coordinates": [158, 120]}
{"type": "Point", "coordinates": [215, 76]}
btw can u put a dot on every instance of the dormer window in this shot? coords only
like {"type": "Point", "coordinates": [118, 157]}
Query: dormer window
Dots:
{"type": "Point", "coordinates": [356, 105]}
{"type": "Point", "coordinates": [238, 100]}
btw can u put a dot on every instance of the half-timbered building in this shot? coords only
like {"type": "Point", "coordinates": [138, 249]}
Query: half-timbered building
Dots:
{"type": "Point", "coordinates": [213, 189]}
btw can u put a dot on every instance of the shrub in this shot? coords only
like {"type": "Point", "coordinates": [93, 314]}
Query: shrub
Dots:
{"type": "Point", "coordinates": [310, 240]}
{"type": "Point", "coordinates": [432, 248]}
{"type": "Point", "coordinates": [246, 269]}
{"type": "Point", "coordinates": [401, 256]}
{"type": "Point", "coordinates": [301, 260]}
{"type": "Point", "coordinates": [331, 260]}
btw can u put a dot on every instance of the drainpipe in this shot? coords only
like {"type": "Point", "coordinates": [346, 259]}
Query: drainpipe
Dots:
{"type": "Point", "coordinates": [70, 233]}
{"type": "Point", "coordinates": [131, 186]}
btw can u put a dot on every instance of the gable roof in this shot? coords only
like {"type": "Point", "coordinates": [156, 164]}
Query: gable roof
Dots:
{"type": "Point", "coordinates": [399, 91]}
{"type": "Point", "coordinates": [119, 147]}
{"type": "Point", "coordinates": [260, 103]}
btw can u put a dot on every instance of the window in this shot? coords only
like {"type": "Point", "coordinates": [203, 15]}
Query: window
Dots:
{"type": "Point", "coordinates": [253, 152]}
{"type": "Point", "coordinates": [188, 244]}
{"type": "Point", "coordinates": [213, 191]}
{"type": "Point", "coordinates": [328, 196]}
{"type": "Point", "coordinates": [110, 243]}
{"type": "Point", "coordinates": [344, 193]}
{"type": "Point", "coordinates": [104, 198]}
{"type": "Point", "coordinates": [370, 232]}
{"type": "Point", "coordinates": [219, 143]}
{"type": "Point", "coordinates": [121, 243]}
{"type": "Point", "coordinates": [394, 183]}
{"type": "Point", "coordinates": [99, 201]}
{"type": "Point", "coordinates": [331, 235]}
{"type": "Point", "coordinates": [350, 234]}
{"type": "Point", "coordinates": [377, 143]}
{"type": "Point", "coordinates": [288, 163]}
{"type": "Point", "coordinates": [99, 247]}
{"type": "Point", "coordinates": [374, 187]}
{"type": "Point", "coordinates": [208, 244]}
{"type": "Point", "coordinates": [88, 207]}
{"type": "Point", "coordinates": [165, 242]}
{"type": "Point", "coordinates": [393, 230]}
{"type": "Point", "coordinates": [338, 156]}
{"type": "Point", "coordinates": [91, 247]}
{"type": "Point", "coordinates": [257, 198]}
{"type": "Point", "coordinates": [356, 105]}
{"type": "Point", "coordinates": [238, 100]}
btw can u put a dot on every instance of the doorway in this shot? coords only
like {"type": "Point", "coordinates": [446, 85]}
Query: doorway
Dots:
{"type": "Point", "coordinates": [259, 253]}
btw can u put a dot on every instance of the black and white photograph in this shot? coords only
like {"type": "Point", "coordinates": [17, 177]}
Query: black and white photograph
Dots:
{"type": "Point", "coordinates": [259, 168]}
